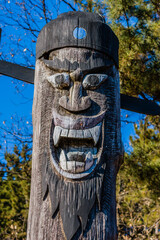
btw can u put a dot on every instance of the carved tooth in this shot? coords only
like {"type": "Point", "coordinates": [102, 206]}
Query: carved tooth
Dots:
{"type": "Point", "coordinates": [89, 161]}
{"type": "Point", "coordinates": [71, 166]}
{"type": "Point", "coordinates": [79, 134]}
{"type": "Point", "coordinates": [89, 157]}
{"type": "Point", "coordinates": [72, 134]}
{"type": "Point", "coordinates": [75, 156]}
{"type": "Point", "coordinates": [56, 135]}
{"type": "Point", "coordinates": [87, 134]}
{"type": "Point", "coordinates": [76, 134]}
{"type": "Point", "coordinates": [64, 132]}
{"type": "Point", "coordinates": [62, 160]}
{"type": "Point", "coordinates": [88, 165]}
{"type": "Point", "coordinates": [80, 167]}
{"type": "Point", "coordinates": [95, 132]}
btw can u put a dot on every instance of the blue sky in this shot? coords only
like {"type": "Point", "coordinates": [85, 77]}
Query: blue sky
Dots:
{"type": "Point", "coordinates": [16, 97]}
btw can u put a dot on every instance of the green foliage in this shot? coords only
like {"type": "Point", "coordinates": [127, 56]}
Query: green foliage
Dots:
{"type": "Point", "coordinates": [145, 159]}
{"type": "Point", "coordinates": [137, 25]}
{"type": "Point", "coordinates": [15, 177]}
{"type": "Point", "coordinates": [138, 191]}
{"type": "Point", "coordinates": [92, 6]}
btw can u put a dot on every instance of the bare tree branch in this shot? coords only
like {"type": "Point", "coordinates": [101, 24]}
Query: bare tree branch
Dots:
{"type": "Point", "coordinates": [69, 5]}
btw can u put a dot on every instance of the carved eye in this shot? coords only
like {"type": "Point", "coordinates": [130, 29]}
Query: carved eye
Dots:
{"type": "Point", "coordinates": [59, 80]}
{"type": "Point", "coordinates": [93, 81]}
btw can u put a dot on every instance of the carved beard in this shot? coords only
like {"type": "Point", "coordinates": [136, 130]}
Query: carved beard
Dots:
{"type": "Point", "coordinates": [74, 200]}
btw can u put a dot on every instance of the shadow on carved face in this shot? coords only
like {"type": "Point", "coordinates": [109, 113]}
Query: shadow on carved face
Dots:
{"type": "Point", "coordinates": [79, 109]}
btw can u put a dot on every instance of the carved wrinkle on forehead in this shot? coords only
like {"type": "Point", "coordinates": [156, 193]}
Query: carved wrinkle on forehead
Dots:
{"type": "Point", "coordinates": [71, 54]}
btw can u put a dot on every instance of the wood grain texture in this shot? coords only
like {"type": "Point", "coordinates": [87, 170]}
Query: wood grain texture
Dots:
{"type": "Point", "coordinates": [63, 207]}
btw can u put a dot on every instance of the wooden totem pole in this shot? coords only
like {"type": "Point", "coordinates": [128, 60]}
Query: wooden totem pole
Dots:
{"type": "Point", "coordinates": [77, 146]}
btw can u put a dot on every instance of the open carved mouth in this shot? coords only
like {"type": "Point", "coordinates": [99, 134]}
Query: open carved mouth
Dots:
{"type": "Point", "coordinates": [77, 150]}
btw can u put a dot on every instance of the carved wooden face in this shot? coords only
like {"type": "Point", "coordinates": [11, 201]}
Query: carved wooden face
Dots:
{"type": "Point", "coordinates": [80, 80]}
{"type": "Point", "coordinates": [77, 140]}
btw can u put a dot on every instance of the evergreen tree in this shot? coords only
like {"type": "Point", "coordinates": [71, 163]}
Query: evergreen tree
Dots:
{"type": "Point", "coordinates": [137, 25]}
{"type": "Point", "coordinates": [138, 184]}
{"type": "Point", "coordinates": [15, 177]}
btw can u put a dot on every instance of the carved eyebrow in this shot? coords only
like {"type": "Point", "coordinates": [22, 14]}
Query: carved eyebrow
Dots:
{"type": "Point", "coordinates": [63, 66]}
{"type": "Point", "coordinates": [67, 66]}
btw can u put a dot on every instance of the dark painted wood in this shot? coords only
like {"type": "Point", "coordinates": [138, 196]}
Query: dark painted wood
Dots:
{"type": "Point", "coordinates": [16, 71]}
{"type": "Point", "coordinates": [139, 105]}
{"type": "Point", "coordinates": [97, 34]}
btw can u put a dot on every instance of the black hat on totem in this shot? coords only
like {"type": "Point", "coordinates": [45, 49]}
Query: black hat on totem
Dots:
{"type": "Point", "coordinates": [78, 29]}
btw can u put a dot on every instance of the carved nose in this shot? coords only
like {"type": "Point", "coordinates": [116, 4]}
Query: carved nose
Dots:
{"type": "Point", "coordinates": [75, 102]}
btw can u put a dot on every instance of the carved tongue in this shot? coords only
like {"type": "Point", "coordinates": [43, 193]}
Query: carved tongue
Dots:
{"type": "Point", "coordinates": [88, 161]}
{"type": "Point", "coordinates": [76, 156]}
{"type": "Point", "coordinates": [95, 132]}
{"type": "Point", "coordinates": [63, 160]}
{"type": "Point", "coordinates": [75, 162]}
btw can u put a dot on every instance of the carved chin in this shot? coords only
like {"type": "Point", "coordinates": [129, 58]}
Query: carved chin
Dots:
{"type": "Point", "coordinates": [77, 152]}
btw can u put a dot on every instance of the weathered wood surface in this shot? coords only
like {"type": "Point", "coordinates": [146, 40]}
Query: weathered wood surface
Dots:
{"type": "Point", "coordinates": [127, 102]}
{"type": "Point", "coordinates": [68, 202]}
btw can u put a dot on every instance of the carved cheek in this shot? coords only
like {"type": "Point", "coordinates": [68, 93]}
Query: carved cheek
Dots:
{"type": "Point", "coordinates": [58, 94]}
{"type": "Point", "coordinates": [99, 98]}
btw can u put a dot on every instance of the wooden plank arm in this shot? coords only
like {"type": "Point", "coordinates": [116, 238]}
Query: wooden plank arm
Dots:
{"type": "Point", "coordinates": [16, 71]}
{"type": "Point", "coordinates": [139, 105]}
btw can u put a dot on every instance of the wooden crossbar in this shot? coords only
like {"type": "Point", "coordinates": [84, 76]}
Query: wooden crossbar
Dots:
{"type": "Point", "coordinates": [16, 71]}
{"type": "Point", "coordinates": [127, 102]}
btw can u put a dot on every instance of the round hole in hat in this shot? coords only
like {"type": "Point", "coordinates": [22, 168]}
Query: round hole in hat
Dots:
{"type": "Point", "coordinates": [79, 33]}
